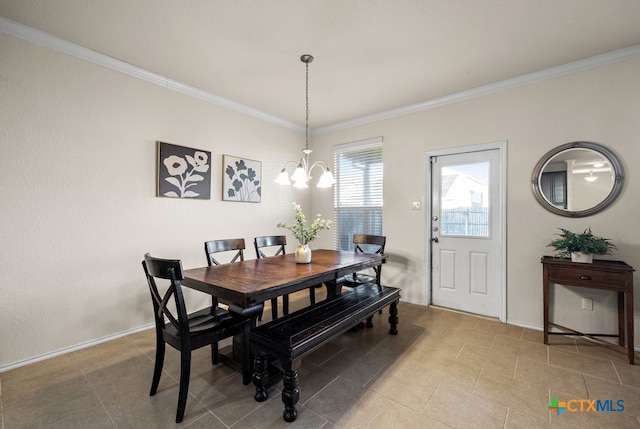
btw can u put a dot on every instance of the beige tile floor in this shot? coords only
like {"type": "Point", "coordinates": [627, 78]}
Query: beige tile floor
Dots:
{"type": "Point", "coordinates": [443, 370]}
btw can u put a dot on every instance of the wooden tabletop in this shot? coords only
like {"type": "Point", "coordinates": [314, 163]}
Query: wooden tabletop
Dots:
{"type": "Point", "coordinates": [255, 281]}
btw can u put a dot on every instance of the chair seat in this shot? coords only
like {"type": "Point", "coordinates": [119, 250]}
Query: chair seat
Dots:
{"type": "Point", "coordinates": [360, 279]}
{"type": "Point", "coordinates": [203, 324]}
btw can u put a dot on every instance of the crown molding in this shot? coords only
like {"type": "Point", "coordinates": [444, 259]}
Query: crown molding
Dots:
{"type": "Point", "coordinates": [45, 39]}
{"type": "Point", "coordinates": [625, 54]}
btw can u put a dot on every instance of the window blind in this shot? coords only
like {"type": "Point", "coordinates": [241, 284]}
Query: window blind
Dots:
{"type": "Point", "coordinates": [358, 191]}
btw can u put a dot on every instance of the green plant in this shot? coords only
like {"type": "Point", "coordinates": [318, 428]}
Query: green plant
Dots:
{"type": "Point", "coordinates": [585, 242]}
{"type": "Point", "coordinates": [299, 228]}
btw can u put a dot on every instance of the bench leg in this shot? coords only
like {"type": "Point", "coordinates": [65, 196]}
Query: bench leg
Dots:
{"type": "Point", "coordinates": [260, 378]}
{"type": "Point", "coordinates": [369, 323]}
{"type": "Point", "coordinates": [290, 395]}
{"type": "Point", "coordinates": [393, 318]}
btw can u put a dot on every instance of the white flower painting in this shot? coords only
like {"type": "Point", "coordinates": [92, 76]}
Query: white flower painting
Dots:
{"type": "Point", "coordinates": [183, 172]}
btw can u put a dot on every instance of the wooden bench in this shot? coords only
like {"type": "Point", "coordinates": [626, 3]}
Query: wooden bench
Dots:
{"type": "Point", "coordinates": [288, 339]}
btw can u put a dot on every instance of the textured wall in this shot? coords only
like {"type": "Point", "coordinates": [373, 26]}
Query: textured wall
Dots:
{"type": "Point", "coordinates": [77, 192]}
{"type": "Point", "coordinates": [78, 211]}
{"type": "Point", "coordinates": [600, 105]}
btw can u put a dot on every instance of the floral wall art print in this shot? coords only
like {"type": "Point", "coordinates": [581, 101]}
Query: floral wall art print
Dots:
{"type": "Point", "coordinates": [183, 172]}
{"type": "Point", "coordinates": [241, 179]}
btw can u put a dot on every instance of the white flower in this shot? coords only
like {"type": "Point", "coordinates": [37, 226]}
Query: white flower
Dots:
{"type": "Point", "coordinates": [300, 230]}
{"type": "Point", "coordinates": [175, 165]}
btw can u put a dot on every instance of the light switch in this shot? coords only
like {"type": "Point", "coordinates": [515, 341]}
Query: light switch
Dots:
{"type": "Point", "coordinates": [415, 205]}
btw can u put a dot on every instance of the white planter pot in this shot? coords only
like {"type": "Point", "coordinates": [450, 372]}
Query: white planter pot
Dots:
{"type": "Point", "coordinates": [582, 257]}
{"type": "Point", "coordinates": [303, 254]}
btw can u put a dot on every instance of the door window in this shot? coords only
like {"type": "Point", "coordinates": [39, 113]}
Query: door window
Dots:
{"type": "Point", "coordinates": [464, 200]}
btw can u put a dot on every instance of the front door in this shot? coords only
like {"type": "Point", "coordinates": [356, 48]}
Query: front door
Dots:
{"type": "Point", "coordinates": [467, 232]}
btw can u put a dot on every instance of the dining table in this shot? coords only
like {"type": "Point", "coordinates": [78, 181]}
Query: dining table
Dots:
{"type": "Point", "coordinates": [244, 284]}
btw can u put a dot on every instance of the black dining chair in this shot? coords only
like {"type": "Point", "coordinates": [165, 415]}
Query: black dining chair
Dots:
{"type": "Point", "coordinates": [187, 332]}
{"type": "Point", "coordinates": [365, 243]}
{"type": "Point", "coordinates": [235, 245]}
{"type": "Point", "coordinates": [277, 243]}
{"type": "Point", "coordinates": [227, 245]}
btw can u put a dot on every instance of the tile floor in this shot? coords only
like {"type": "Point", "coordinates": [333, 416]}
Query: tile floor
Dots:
{"type": "Point", "coordinates": [443, 370]}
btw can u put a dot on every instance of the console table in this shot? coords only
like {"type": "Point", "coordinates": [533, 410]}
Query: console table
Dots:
{"type": "Point", "coordinates": [615, 276]}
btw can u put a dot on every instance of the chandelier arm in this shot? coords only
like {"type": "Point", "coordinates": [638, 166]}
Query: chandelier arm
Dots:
{"type": "Point", "coordinates": [320, 164]}
{"type": "Point", "coordinates": [287, 164]}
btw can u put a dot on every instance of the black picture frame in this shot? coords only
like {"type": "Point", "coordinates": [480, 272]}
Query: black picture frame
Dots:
{"type": "Point", "coordinates": [183, 172]}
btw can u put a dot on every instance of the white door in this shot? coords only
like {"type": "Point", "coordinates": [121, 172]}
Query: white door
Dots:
{"type": "Point", "coordinates": [466, 232]}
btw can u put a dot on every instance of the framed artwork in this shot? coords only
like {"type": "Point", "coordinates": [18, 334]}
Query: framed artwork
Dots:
{"type": "Point", "coordinates": [241, 179]}
{"type": "Point", "coordinates": [183, 172]}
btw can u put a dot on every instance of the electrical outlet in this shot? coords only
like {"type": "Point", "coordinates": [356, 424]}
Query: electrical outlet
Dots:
{"type": "Point", "coordinates": [587, 304]}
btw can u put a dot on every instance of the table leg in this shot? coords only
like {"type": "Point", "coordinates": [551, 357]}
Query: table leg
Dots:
{"type": "Point", "coordinates": [629, 313]}
{"type": "Point", "coordinates": [545, 304]}
{"type": "Point", "coordinates": [621, 319]}
{"type": "Point", "coordinates": [238, 354]}
{"type": "Point", "coordinates": [332, 288]}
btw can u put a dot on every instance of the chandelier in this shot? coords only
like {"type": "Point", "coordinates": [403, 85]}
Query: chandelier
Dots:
{"type": "Point", "coordinates": [302, 173]}
{"type": "Point", "coordinates": [591, 177]}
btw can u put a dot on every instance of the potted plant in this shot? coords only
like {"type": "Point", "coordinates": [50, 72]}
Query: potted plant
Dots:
{"type": "Point", "coordinates": [305, 234]}
{"type": "Point", "coordinates": [581, 247]}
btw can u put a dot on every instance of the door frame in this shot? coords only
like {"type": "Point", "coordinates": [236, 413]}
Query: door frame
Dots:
{"type": "Point", "coordinates": [501, 146]}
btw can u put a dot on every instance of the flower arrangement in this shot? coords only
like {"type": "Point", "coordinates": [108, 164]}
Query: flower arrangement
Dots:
{"type": "Point", "coordinates": [585, 243]}
{"type": "Point", "coordinates": [300, 230]}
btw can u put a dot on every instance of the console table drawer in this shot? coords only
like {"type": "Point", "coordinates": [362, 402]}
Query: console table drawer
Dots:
{"type": "Point", "coordinates": [586, 277]}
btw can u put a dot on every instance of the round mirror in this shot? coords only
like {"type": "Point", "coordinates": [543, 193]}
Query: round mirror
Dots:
{"type": "Point", "coordinates": [577, 179]}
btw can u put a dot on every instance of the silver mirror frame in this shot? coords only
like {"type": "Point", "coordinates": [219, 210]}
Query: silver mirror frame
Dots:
{"type": "Point", "coordinates": [615, 191]}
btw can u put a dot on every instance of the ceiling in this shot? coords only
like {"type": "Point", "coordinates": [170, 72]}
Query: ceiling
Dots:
{"type": "Point", "coordinates": [371, 56]}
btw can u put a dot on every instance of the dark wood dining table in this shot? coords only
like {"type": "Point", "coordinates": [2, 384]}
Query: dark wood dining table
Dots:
{"type": "Point", "coordinates": [245, 284]}
{"type": "Point", "coordinates": [252, 282]}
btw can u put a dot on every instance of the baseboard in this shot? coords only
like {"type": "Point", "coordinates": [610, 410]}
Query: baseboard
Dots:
{"type": "Point", "coordinates": [73, 348]}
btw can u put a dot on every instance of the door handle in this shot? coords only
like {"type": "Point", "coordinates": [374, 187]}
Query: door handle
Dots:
{"type": "Point", "coordinates": [435, 240]}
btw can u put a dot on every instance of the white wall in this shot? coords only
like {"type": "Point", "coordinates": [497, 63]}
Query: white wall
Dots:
{"type": "Point", "coordinates": [78, 205]}
{"type": "Point", "coordinates": [77, 195]}
{"type": "Point", "coordinates": [600, 105]}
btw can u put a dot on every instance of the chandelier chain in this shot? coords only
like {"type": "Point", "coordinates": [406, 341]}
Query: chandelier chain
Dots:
{"type": "Point", "coordinates": [302, 175]}
{"type": "Point", "coordinates": [306, 128]}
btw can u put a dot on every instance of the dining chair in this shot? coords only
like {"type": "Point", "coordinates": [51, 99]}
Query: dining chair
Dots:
{"type": "Point", "coordinates": [227, 245]}
{"type": "Point", "coordinates": [278, 242]}
{"type": "Point", "coordinates": [365, 243]}
{"type": "Point", "coordinates": [187, 332]}
{"type": "Point", "coordinates": [212, 247]}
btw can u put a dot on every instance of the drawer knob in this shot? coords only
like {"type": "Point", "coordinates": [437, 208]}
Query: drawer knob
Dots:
{"type": "Point", "coordinates": [585, 277]}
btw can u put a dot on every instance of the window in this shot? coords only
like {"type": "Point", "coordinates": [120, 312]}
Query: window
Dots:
{"type": "Point", "coordinates": [358, 190]}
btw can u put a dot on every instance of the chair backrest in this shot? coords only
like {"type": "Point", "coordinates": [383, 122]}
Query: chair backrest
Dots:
{"type": "Point", "coordinates": [217, 246]}
{"type": "Point", "coordinates": [270, 241]}
{"type": "Point", "coordinates": [369, 243]}
{"type": "Point", "coordinates": [171, 270]}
